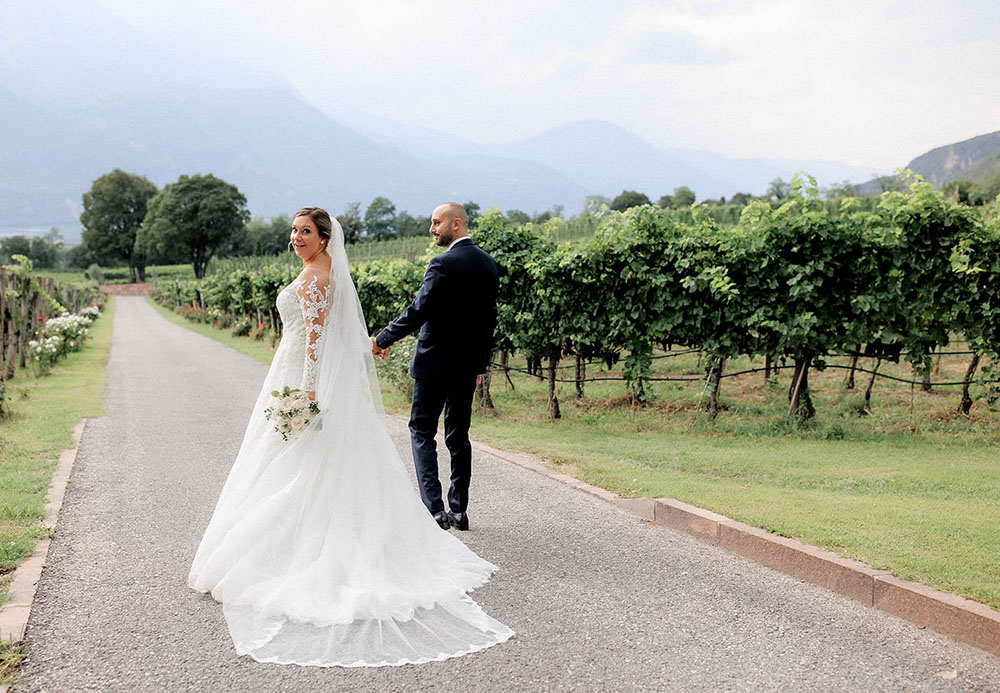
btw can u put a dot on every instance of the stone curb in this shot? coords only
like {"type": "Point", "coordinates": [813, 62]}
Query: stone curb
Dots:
{"type": "Point", "coordinates": [962, 619]}
{"type": "Point", "coordinates": [21, 593]}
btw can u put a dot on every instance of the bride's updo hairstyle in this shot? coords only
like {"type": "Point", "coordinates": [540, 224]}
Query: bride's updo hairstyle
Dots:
{"type": "Point", "coordinates": [320, 217]}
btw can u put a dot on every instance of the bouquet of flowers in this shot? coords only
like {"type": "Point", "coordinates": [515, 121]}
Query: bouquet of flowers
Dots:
{"type": "Point", "coordinates": [291, 411]}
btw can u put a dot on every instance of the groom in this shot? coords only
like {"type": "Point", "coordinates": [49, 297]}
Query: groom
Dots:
{"type": "Point", "coordinates": [455, 311]}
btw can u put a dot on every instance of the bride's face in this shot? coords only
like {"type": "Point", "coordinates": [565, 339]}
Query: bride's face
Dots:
{"type": "Point", "coordinates": [306, 241]}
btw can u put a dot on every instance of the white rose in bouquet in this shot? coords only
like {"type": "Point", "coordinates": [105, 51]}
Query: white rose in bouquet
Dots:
{"type": "Point", "coordinates": [291, 411]}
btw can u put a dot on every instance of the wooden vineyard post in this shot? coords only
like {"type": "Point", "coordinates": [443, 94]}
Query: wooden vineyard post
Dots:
{"type": "Point", "coordinates": [3, 337]}
{"type": "Point", "coordinates": [9, 304]}
{"type": "Point", "coordinates": [22, 334]}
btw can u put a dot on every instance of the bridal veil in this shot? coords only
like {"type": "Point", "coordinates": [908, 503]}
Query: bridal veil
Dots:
{"type": "Point", "coordinates": [319, 549]}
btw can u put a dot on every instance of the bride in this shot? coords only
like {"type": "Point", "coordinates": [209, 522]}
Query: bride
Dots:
{"type": "Point", "coordinates": [319, 549]}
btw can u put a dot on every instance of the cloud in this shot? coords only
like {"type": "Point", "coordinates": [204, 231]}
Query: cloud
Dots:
{"type": "Point", "coordinates": [867, 82]}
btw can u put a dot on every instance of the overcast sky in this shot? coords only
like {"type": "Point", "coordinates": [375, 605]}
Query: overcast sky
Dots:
{"type": "Point", "coordinates": [866, 82]}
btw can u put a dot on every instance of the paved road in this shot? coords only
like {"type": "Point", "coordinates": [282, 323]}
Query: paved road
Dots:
{"type": "Point", "coordinates": [600, 600]}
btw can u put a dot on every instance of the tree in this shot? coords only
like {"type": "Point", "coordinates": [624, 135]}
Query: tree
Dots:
{"type": "Point", "coordinates": [14, 245]}
{"type": "Point", "coordinates": [113, 211]}
{"type": "Point", "coordinates": [78, 257]}
{"type": "Point", "coordinates": [960, 191]}
{"type": "Point", "coordinates": [843, 189]}
{"type": "Point", "coordinates": [350, 222]}
{"type": "Point", "coordinates": [628, 199]}
{"type": "Point", "coordinates": [380, 219]}
{"type": "Point", "coordinates": [986, 191]}
{"type": "Point", "coordinates": [408, 226]}
{"type": "Point", "coordinates": [194, 216]}
{"type": "Point", "coordinates": [236, 245]}
{"type": "Point", "coordinates": [778, 190]}
{"type": "Point", "coordinates": [683, 197]}
{"type": "Point", "coordinates": [517, 217]}
{"type": "Point", "coordinates": [665, 202]}
{"type": "Point", "coordinates": [45, 249]}
{"type": "Point", "coordinates": [593, 204]}
{"type": "Point", "coordinates": [472, 209]}
{"type": "Point", "coordinates": [265, 237]}
{"type": "Point", "coordinates": [740, 198]}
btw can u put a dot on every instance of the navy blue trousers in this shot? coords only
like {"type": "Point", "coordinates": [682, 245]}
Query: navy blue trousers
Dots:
{"type": "Point", "coordinates": [430, 398]}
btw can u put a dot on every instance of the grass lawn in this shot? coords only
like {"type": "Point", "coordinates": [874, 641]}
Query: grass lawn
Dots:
{"type": "Point", "coordinates": [910, 486]}
{"type": "Point", "coordinates": [44, 412]}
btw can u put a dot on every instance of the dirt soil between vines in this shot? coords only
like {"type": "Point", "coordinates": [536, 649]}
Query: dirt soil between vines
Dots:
{"type": "Point", "coordinates": [126, 289]}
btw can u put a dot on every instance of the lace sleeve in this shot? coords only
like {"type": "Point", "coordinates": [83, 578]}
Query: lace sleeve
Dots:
{"type": "Point", "coordinates": [313, 301]}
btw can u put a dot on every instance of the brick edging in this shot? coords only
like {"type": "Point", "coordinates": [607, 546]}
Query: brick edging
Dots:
{"type": "Point", "coordinates": [21, 593]}
{"type": "Point", "coordinates": [962, 619]}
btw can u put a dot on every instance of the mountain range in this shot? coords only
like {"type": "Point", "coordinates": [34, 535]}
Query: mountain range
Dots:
{"type": "Point", "coordinates": [282, 153]}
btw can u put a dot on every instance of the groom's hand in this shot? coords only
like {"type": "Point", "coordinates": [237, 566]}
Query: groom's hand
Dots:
{"type": "Point", "coordinates": [378, 351]}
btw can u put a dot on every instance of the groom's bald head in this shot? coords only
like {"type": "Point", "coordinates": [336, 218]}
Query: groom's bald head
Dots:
{"type": "Point", "coordinates": [456, 211]}
{"type": "Point", "coordinates": [448, 222]}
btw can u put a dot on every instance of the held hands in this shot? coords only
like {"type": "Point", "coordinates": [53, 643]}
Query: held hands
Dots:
{"type": "Point", "coordinates": [378, 351]}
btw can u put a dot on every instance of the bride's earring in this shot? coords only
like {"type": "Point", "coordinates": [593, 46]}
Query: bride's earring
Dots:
{"type": "Point", "coordinates": [289, 246]}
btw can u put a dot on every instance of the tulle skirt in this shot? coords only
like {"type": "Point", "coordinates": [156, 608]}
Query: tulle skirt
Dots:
{"type": "Point", "coordinates": [322, 553]}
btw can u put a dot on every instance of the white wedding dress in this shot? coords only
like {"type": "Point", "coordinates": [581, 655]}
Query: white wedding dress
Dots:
{"type": "Point", "coordinates": [320, 549]}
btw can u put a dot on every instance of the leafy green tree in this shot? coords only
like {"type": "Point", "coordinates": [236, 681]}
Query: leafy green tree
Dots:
{"type": "Point", "coordinates": [961, 191]}
{"type": "Point", "coordinates": [351, 223]}
{"type": "Point", "coordinates": [380, 219]}
{"type": "Point", "coordinates": [45, 250]}
{"type": "Point", "coordinates": [740, 198]}
{"type": "Point", "coordinates": [237, 245]}
{"type": "Point", "coordinates": [195, 217]}
{"type": "Point", "coordinates": [628, 199]}
{"type": "Point", "coordinates": [268, 237]}
{"type": "Point", "coordinates": [593, 204]}
{"type": "Point", "coordinates": [14, 245]}
{"type": "Point", "coordinates": [986, 191]}
{"type": "Point", "coordinates": [409, 226]}
{"type": "Point", "coordinates": [473, 210]}
{"type": "Point", "coordinates": [778, 190]}
{"type": "Point", "coordinates": [665, 202]}
{"type": "Point", "coordinates": [79, 257]}
{"type": "Point", "coordinates": [517, 217]}
{"type": "Point", "coordinates": [113, 211]}
{"type": "Point", "coordinates": [683, 197]}
{"type": "Point", "coordinates": [843, 189]}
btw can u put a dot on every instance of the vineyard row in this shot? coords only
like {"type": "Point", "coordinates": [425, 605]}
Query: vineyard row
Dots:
{"type": "Point", "coordinates": [793, 282]}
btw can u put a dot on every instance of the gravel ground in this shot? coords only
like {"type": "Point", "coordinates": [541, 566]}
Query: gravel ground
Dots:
{"type": "Point", "coordinates": [599, 599]}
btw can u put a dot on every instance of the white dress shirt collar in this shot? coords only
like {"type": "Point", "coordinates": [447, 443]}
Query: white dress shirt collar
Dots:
{"type": "Point", "coordinates": [458, 240]}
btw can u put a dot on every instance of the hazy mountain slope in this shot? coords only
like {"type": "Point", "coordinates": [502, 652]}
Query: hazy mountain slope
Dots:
{"type": "Point", "coordinates": [958, 160]}
{"type": "Point", "coordinates": [606, 159]}
{"type": "Point", "coordinates": [281, 153]}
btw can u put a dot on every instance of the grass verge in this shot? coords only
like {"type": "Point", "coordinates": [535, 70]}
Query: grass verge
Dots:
{"type": "Point", "coordinates": [919, 500]}
{"type": "Point", "coordinates": [44, 412]}
{"type": "Point", "coordinates": [10, 659]}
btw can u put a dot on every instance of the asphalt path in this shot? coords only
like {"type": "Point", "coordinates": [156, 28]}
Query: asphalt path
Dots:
{"type": "Point", "coordinates": [600, 600]}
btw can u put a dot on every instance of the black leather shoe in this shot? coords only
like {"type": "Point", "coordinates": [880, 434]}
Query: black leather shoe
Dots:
{"type": "Point", "coordinates": [459, 520]}
{"type": "Point", "coordinates": [442, 519]}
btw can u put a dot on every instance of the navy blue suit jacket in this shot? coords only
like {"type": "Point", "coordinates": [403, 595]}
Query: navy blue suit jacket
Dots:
{"type": "Point", "coordinates": [455, 311]}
